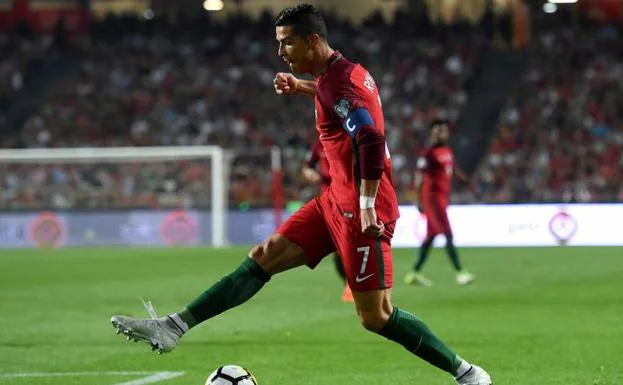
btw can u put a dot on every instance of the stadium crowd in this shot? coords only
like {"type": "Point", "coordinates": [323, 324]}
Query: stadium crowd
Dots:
{"type": "Point", "coordinates": [560, 136]}
{"type": "Point", "coordinates": [18, 54]}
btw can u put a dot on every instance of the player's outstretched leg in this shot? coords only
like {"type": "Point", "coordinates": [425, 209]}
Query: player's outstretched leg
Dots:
{"type": "Point", "coordinates": [463, 277]}
{"type": "Point", "coordinates": [416, 277]}
{"type": "Point", "coordinates": [347, 295]}
{"type": "Point", "coordinates": [277, 254]}
{"type": "Point", "coordinates": [378, 315]}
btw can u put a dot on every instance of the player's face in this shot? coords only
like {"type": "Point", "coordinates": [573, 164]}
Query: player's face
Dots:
{"type": "Point", "coordinates": [297, 52]}
{"type": "Point", "coordinates": [440, 134]}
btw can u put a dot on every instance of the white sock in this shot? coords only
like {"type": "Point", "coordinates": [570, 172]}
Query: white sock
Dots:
{"type": "Point", "coordinates": [179, 322]}
{"type": "Point", "coordinates": [464, 367]}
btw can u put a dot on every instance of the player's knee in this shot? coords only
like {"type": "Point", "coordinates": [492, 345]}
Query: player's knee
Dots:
{"type": "Point", "coordinates": [267, 250]}
{"type": "Point", "coordinates": [277, 254]}
{"type": "Point", "coordinates": [257, 253]}
{"type": "Point", "coordinates": [274, 245]}
{"type": "Point", "coordinates": [374, 321]}
{"type": "Point", "coordinates": [262, 253]}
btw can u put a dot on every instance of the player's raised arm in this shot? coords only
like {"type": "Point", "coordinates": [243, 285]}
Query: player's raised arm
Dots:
{"type": "Point", "coordinates": [288, 84]}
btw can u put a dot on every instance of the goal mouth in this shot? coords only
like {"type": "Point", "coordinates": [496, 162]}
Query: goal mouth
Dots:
{"type": "Point", "coordinates": [140, 196]}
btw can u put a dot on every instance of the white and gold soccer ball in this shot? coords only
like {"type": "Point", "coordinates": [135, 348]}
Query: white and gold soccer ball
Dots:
{"type": "Point", "coordinates": [231, 375]}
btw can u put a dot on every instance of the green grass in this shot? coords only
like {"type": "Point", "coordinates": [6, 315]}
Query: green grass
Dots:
{"type": "Point", "coordinates": [533, 317]}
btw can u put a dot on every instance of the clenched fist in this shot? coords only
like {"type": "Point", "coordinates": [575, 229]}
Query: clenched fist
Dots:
{"type": "Point", "coordinates": [285, 83]}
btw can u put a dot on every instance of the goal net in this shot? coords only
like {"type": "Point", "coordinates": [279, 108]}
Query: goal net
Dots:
{"type": "Point", "coordinates": [133, 195]}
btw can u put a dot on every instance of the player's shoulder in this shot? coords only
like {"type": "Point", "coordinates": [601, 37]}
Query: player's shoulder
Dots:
{"type": "Point", "coordinates": [443, 154]}
{"type": "Point", "coordinates": [345, 82]}
{"type": "Point", "coordinates": [341, 72]}
{"type": "Point", "coordinates": [345, 70]}
{"type": "Point", "coordinates": [361, 78]}
{"type": "Point", "coordinates": [354, 72]}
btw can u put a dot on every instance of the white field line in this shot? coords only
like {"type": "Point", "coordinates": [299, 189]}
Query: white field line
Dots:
{"type": "Point", "coordinates": [70, 374]}
{"type": "Point", "coordinates": [151, 377]}
{"type": "Point", "coordinates": [160, 376]}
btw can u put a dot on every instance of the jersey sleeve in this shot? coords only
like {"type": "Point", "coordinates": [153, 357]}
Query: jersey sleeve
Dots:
{"type": "Point", "coordinates": [354, 113]}
{"type": "Point", "coordinates": [351, 108]}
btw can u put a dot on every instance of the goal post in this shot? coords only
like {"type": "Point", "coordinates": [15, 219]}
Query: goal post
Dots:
{"type": "Point", "coordinates": [219, 161]}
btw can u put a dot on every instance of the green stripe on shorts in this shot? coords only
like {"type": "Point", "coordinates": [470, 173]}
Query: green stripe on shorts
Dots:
{"type": "Point", "coordinates": [379, 257]}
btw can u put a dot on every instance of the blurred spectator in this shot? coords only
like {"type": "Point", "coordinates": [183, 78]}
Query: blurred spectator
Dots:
{"type": "Point", "coordinates": [560, 136]}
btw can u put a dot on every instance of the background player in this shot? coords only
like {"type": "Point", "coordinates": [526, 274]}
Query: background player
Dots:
{"type": "Point", "coordinates": [433, 181]}
{"type": "Point", "coordinates": [356, 215]}
{"type": "Point", "coordinates": [317, 158]}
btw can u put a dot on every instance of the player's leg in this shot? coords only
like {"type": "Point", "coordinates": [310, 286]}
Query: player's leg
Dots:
{"type": "Point", "coordinates": [423, 253]}
{"type": "Point", "coordinates": [275, 255]}
{"type": "Point", "coordinates": [415, 277]}
{"type": "Point", "coordinates": [347, 294]}
{"type": "Point", "coordinates": [379, 315]}
{"type": "Point", "coordinates": [302, 239]}
{"type": "Point", "coordinates": [463, 277]}
{"type": "Point", "coordinates": [440, 214]}
{"type": "Point", "coordinates": [369, 269]}
{"type": "Point", "coordinates": [368, 264]}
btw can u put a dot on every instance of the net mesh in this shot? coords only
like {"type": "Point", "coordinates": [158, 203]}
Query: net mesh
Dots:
{"type": "Point", "coordinates": [94, 185]}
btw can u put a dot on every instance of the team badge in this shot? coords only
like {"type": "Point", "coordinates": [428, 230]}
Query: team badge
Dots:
{"type": "Point", "coordinates": [342, 108]}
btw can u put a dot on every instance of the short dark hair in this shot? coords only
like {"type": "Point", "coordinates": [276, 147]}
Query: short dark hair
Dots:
{"type": "Point", "coordinates": [304, 19]}
{"type": "Point", "coordinates": [438, 122]}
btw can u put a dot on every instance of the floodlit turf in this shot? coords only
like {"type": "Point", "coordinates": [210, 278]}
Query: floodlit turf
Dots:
{"type": "Point", "coordinates": [533, 317]}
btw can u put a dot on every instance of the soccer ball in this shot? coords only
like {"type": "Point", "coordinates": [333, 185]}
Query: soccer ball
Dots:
{"type": "Point", "coordinates": [231, 375]}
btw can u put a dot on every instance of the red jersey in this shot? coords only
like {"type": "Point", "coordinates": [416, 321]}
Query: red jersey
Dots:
{"type": "Point", "coordinates": [349, 119]}
{"type": "Point", "coordinates": [437, 166]}
{"type": "Point", "coordinates": [317, 156]}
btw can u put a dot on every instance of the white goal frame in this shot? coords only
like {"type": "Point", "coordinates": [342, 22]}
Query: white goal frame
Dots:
{"type": "Point", "coordinates": [219, 158]}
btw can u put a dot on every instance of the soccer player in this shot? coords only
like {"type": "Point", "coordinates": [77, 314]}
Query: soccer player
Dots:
{"type": "Point", "coordinates": [356, 215]}
{"type": "Point", "coordinates": [315, 157]}
{"type": "Point", "coordinates": [433, 180]}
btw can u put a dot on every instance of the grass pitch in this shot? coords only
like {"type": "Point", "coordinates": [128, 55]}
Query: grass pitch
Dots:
{"type": "Point", "coordinates": [533, 317]}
